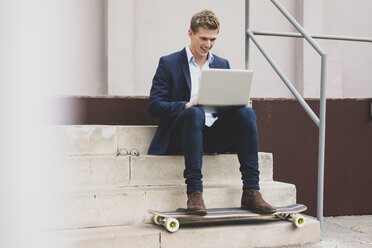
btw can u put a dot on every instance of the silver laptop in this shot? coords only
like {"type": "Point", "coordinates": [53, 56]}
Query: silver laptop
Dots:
{"type": "Point", "coordinates": [224, 88]}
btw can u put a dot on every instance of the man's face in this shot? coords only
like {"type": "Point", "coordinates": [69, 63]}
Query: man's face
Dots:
{"type": "Point", "coordinates": [202, 41]}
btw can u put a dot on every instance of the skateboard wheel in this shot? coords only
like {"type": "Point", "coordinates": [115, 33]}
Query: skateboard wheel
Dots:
{"type": "Point", "coordinates": [299, 221]}
{"type": "Point", "coordinates": [157, 219]}
{"type": "Point", "coordinates": [172, 224]}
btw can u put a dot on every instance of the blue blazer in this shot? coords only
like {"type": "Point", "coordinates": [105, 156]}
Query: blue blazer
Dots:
{"type": "Point", "coordinates": [170, 92]}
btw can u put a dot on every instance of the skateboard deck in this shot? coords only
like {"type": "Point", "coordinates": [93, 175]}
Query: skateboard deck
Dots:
{"type": "Point", "coordinates": [170, 219]}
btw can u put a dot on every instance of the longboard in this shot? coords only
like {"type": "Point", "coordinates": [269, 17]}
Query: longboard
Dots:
{"type": "Point", "coordinates": [170, 220]}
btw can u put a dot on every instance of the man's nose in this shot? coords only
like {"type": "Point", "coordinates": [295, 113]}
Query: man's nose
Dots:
{"type": "Point", "coordinates": [208, 43]}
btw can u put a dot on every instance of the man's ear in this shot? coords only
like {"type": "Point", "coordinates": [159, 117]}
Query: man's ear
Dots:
{"type": "Point", "coordinates": [190, 32]}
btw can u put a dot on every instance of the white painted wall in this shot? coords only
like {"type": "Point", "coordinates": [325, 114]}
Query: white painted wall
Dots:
{"type": "Point", "coordinates": [150, 29]}
{"type": "Point", "coordinates": [120, 42]}
{"type": "Point", "coordinates": [265, 17]}
{"type": "Point", "coordinates": [85, 52]}
{"type": "Point", "coordinates": [140, 31]}
{"type": "Point", "coordinates": [73, 34]}
{"type": "Point", "coordinates": [348, 73]}
{"type": "Point", "coordinates": [160, 27]}
{"type": "Point", "coordinates": [351, 61]}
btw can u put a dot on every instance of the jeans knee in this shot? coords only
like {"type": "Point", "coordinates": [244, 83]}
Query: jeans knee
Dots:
{"type": "Point", "coordinates": [195, 116]}
{"type": "Point", "coordinates": [246, 114]}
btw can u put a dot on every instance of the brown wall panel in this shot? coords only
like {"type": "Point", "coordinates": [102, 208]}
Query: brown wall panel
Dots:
{"type": "Point", "coordinates": [287, 132]}
{"type": "Point", "coordinates": [284, 130]}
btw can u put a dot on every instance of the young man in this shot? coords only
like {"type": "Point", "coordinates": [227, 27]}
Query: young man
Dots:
{"type": "Point", "coordinates": [187, 129]}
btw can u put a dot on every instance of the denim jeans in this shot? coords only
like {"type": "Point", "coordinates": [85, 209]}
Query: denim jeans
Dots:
{"type": "Point", "coordinates": [234, 131]}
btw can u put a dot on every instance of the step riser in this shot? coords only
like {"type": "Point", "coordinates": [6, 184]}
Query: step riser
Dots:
{"type": "Point", "coordinates": [99, 140]}
{"type": "Point", "coordinates": [92, 172]}
{"type": "Point", "coordinates": [129, 206]}
{"type": "Point", "coordinates": [217, 169]}
{"type": "Point", "coordinates": [262, 232]}
{"type": "Point", "coordinates": [258, 235]}
{"type": "Point", "coordinates": [138, 137]}
{"type": "Point", "coordinates": [83, 140]}
{"type": "Point", "coordinates": [111, 237]}
{"type": "Point", "coordinates": [82, 173]}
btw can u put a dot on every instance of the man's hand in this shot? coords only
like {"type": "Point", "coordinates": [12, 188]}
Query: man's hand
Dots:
{"type": "Point", "coordinates": [190, 104]}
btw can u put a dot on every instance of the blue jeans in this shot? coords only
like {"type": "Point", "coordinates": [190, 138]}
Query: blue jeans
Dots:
{"type": "Point", "coordinates": [234, 131]}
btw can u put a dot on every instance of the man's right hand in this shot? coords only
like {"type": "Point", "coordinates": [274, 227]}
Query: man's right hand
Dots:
{"type": "Point", "coordinates": [190, 104]}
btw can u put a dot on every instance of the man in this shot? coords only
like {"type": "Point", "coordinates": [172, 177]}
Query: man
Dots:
{"type": "Point", "coordinates": [187, 129]}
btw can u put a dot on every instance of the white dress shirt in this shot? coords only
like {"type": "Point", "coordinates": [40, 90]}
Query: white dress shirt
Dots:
{"type": "Point", "coordinates": [195, 79]}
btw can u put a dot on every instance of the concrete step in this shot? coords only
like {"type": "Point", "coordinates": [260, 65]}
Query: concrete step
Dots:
{"type": "Point", "coordinates": [140, 236]}
{"type": "Point", "coordinates": [259, 232]}
{"type": "Point", "coordinates": [90, 172]}
{"type": "Point", "coordinates": [74, 140]}
{"type": "Point", "coordinates": [217, 169]}
{"type": "Point", "coordinates": [99, 139]}
{"type": "Point", "coordinates": [129, 205]}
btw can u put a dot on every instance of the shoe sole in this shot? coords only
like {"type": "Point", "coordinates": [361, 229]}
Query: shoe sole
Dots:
{"type": "Point", "coordinates": [258, 211]}
{"type": "Point", "coordinates": [197, 212]}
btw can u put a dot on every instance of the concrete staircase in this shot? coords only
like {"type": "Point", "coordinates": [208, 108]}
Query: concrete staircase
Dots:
{"type": "Point", "coordinates": [108, 182]}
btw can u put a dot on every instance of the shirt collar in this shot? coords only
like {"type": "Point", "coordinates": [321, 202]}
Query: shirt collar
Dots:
{"type": "Point", "coordinates": [190, 56]}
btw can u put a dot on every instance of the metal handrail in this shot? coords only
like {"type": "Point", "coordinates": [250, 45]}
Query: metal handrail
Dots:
{"type": "Point", "coordinates": [314, 36]}
{"type": "Point", "coordinates": [287, 82]}
{"type": "Point", "coordinates": [319, 122]}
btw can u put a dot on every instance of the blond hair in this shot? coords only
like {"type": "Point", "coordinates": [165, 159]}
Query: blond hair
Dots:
{"type": "Point", "coordinates": [206, 19]}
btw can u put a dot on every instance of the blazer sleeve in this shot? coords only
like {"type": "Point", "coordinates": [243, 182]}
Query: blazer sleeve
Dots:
{"type": "Point", "coordinates": [160, 94]}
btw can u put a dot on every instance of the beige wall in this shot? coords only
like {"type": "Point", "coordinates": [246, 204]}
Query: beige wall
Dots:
{"type": "Point", "coordinates": [265, 17]}
{"type": "Point", "coordinates": [157, 28]}
{"type": "Point", "coordinates": [72, 46]}
{"type": "Point", "coordinates": [141, 31]}
{"type": "Point", "coordinates": [88, 52]}
{"type": "Point", "coordinates": [348, 73]}
{"type": "Point", "coordinates": [351, 61]}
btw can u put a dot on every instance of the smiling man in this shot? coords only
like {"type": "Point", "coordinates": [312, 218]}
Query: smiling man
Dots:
{"type": "Point", "coordinates": [187, 129]}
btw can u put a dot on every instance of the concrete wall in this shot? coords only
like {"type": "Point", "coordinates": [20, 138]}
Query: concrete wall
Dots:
{"type": "Point", "coordinates": [349, 63]}
{"type": "Point", "coordinates": [141, 31]}
{"type": "Point", "coordinates": [348, 75]}
{"type": "Point", "coordinates": [151, 29]}
{"type": "Point", "coordinates": [72, 54]}
{"type": "Point", "coordinates": [112, 47]}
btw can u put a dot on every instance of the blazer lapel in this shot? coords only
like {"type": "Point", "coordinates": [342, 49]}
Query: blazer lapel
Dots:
{"type": "Point", "coordinates": [185, 68]}
{"type": "Point", "coordinates": [212, 65]}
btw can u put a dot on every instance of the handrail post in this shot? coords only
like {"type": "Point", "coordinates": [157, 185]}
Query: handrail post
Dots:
{"type": "Point", "coordinates": [320, 193]}
{"type": "Point", "coordinates": [246, 37]}
{"type": "Point", "coordinates": [322, 115]}
{"type": "Point", "coordinates": [321, 152]}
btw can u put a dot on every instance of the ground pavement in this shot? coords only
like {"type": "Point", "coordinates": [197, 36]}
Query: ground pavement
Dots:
{"type": "Point", "coordinates": [345, 231]}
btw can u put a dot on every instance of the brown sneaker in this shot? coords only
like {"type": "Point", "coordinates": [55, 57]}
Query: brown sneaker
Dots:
{"type": "Point", "coordinates": [252, 200]}
{"type": "Point", "coordinates": [195, 203]}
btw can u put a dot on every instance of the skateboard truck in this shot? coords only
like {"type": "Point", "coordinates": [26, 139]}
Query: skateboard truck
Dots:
{"type": "Point", "coordinates": [297, 219]}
